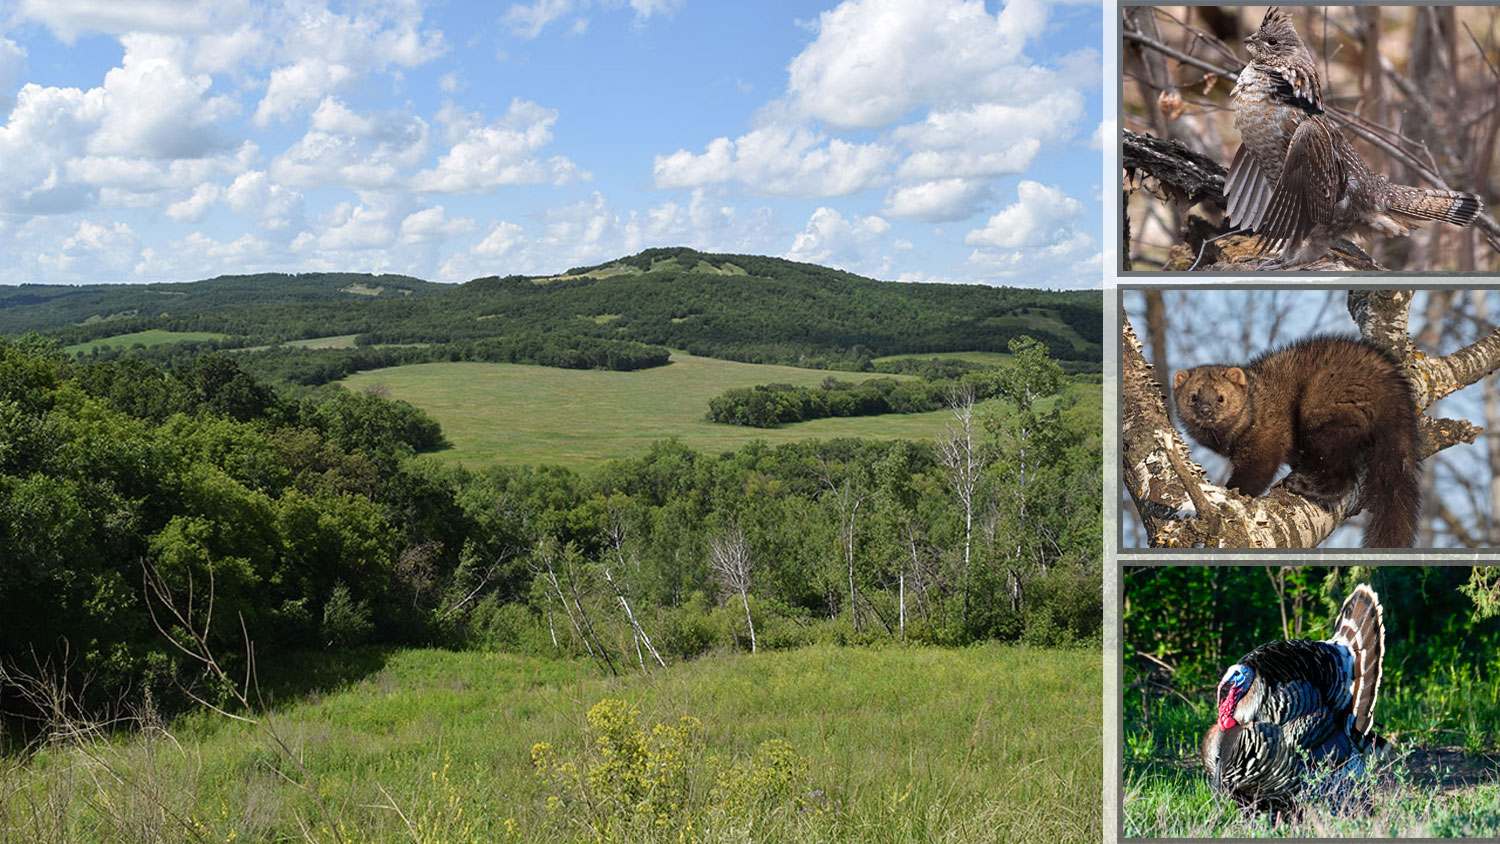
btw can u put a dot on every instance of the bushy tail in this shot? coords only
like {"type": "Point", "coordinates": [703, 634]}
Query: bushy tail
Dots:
{"type": "Point", "coordinates": [1391, 492]}
{"type": "Point", "coordinates": [1360, 627]}
{"type": "Point", "coordinates": [1450, 206]}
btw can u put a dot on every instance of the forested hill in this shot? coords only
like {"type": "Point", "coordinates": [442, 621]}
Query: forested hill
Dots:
{"type": "Point", "coordinates": [740, 307]}
{"type": "Point", "coordinates": [39, 307]}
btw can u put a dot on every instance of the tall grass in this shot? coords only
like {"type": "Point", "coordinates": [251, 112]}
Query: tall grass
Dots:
{"type": "Point", "coordinates": [899, 744]}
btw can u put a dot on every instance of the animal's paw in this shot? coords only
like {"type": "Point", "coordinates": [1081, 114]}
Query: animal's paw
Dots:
{"type": "Point", "coordinates": [1307, 486]}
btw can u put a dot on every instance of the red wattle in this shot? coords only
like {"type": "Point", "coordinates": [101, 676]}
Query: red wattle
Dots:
{"type": "Point", "coordinates": [1227, 721]}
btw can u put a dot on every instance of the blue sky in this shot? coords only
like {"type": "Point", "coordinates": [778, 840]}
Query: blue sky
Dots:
{"type": "Point", "coordinates": [925, 140]}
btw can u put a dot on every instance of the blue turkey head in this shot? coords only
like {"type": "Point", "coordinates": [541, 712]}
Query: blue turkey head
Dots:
{"type": "Point", "coordinates": [1232, 689]}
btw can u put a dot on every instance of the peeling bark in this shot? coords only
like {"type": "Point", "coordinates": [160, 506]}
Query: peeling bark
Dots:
{"type": "Point", "coordinates": [1181, 508]}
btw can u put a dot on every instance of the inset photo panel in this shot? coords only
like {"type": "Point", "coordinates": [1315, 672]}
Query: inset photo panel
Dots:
{"type": "Point", "coordinates": [1305, 418]}
{"type": "Point", "coordinates": [1310, 701]}
{"type": "Point", "coordinates": [1310, 139]}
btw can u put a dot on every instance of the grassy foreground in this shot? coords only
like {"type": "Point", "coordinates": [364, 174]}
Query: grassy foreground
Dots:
{"type": "Point", "coordinates": [514, 413]}
{"type": "Point", "coordinates": [892, 744]}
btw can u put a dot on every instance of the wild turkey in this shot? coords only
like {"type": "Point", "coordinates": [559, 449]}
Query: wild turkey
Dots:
{"type": "Point", "coordinates": [1288, 709]}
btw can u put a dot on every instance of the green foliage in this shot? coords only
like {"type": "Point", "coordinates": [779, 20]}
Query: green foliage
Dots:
{"type": "Point", "coordinates": [308, 519]}
{"type": "Point", "coordinates": [345, 622]}
{"type": "Point", "coordinates": [369, 423]}
{"type": "Point", "coordinates": [773, 405]}
{"type": "Point", "coordinates": [203, 477]}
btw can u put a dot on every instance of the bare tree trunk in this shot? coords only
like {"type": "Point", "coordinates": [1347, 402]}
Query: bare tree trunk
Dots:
{"type": "Point", "coordinates": [622, 589]}
{"type": "Point", "coordinates": [848, 499]}
{"type": "Point", "coordinates": [749, 622]}
{"type": "Point", "coordinates": [581, 623]}
{"type": "Point", "coordinates": [903, 605]}
{"type": "Point", "coordinates": [551, 628]}
{"type": "Point", "coordinates": [729, 556]}
{"type": "Point", "coordinates": [640, 632]}
{"type": "Point", "coordinates": [965, 463]}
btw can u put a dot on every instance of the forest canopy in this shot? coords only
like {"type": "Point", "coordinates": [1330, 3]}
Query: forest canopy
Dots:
{"type": "Point", "coordinates": [303, 518]}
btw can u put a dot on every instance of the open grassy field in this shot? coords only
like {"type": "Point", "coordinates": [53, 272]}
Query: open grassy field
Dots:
{"type": "Point", "coordinates": [880, 744]}
{"type": "Point", "coordinates": [513, 413]}
{"type": "Point", "coordinates": [154, 337]}
{"type": "Point", "coordinates": [989, 358]}
{"type": "Point", "coordinates": [337, 341]}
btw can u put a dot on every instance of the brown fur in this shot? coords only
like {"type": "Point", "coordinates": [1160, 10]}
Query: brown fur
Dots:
{"type": "Point", "coordinates": [1338, 411]}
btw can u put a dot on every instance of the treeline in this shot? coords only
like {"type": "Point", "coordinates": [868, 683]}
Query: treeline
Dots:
{"type": "Point", "coordinates": [313, 367]}
{"type": "Point", "coordinates": [308, 523]}
{"type": "Point", "coordinates": [773, 405]}
{"type": "Point", "coordinates": [78, 313]}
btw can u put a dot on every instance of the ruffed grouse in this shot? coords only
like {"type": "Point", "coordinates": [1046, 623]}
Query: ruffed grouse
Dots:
{"type": "Point", "coordinates": [1296, 180]}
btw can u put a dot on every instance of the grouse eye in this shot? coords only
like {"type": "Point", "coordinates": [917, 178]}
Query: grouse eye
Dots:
{"type": "Point", "coordinates": [1221, 399]}
{"type": "Point", "coordinates": [1271, 42]}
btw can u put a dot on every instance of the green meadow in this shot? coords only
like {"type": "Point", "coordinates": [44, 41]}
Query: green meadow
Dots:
{"type": "Point", "coordinates": [153, 337]}
{"type": "Point", "coordinates": [987, 358]}
{"type": "Point", "coordinates": [823, 743]}
{"type": "Point", "coordinates": [514, 413]}
{"type": "Point", "coordinates": [337, 341]}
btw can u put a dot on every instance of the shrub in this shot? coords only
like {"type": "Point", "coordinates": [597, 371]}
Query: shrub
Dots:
{"type": "Point", "coordinates": [631, 784]}
{"type": "Point", "coordinates": [345, 622]}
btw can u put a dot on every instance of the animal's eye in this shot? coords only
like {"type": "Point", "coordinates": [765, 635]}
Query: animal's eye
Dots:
{"type": "Point", "coordinates": [1271, 42]}
{"type": "Point", "coordinates": [1221, 399]}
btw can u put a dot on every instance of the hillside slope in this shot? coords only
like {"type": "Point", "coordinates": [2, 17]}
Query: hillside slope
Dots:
{"type": "Point", "coordinates": [40, 307]}
{"type": "Point", "coordinates": [740, 307]}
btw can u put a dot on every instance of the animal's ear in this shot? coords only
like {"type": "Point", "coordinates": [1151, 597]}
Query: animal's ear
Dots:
{"type": "Point", "coordinates": [1179, 378]}
{"type": "Point", "coordinates": [1237, 376]}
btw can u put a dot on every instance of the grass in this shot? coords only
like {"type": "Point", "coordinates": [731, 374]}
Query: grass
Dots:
{"type": "Point", "coordinates": [337, 341]}
{"type": "Point", "coordinates": [987, 358]}
{"type": "Point", "coordinates": [900, 744]}
{"type": "Point", "coordinates": [1441, 777]}
{"type": "Point", "coordinates": [513, 413]}
{"type": "Point", "coordinates": [153, 337]}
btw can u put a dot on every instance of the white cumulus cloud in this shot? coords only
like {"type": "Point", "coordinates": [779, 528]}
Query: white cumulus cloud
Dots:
{"type": "Point", "coordinates": [70, 18]}
{"type": "Point", "coordinates": [780, 161]}
{"type": "Point", "coordinates": [502, 152]}
{"type": "Point", "coordinates": [875, 60]}
{"type": "Point", "coordinates": [936, 201]}
{"type": "Point", "coordinates": [195, 207]}
{"type": "Point", "coordinates": [356, 151]}
{"type": "Point", "coordinates": [433, 224]}
{"type": "Point", "coordinates": [829, 237]}
{"type": "Point", "coordinates": [154, 109]}
{"type": "Point", "coordinates": [320, 52]}
{"type": "Point", "coordinates": [1042, 216]}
